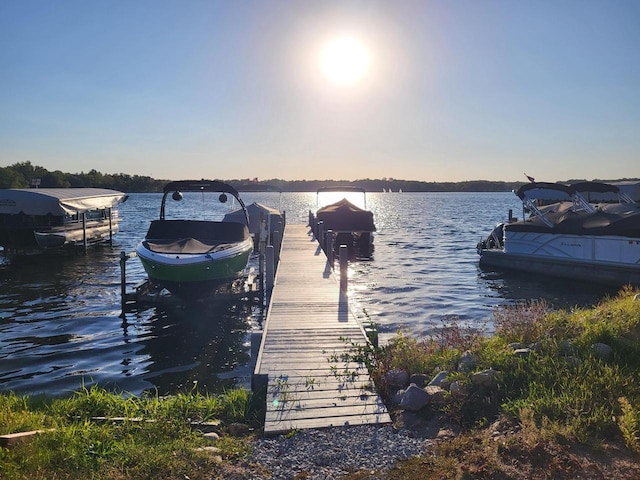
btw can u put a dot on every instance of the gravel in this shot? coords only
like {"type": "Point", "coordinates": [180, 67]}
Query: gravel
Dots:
{"type": "Point", "coordinates": [333, 452]}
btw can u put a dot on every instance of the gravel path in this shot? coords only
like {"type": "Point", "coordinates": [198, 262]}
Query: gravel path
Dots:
{"type": "Point", "coordinates": [333, 452]}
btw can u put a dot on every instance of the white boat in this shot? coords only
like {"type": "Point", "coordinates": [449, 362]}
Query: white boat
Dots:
{"type": "Point", "coordinates": [264, 220]}
{"type": "Point", "coordinates": [193, 258]}
{"type": "Point", "coordinates": [588, 231]}
{"type": "Point", "coordinates": [33, 220]}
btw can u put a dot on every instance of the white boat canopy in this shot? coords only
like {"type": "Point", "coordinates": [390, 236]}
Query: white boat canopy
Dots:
{"type": "Point", "coordinates": [256, 211]}
{"type": "Point", "coordinates": [58, 201]}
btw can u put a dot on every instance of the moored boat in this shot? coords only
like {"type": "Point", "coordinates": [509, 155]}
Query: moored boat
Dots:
{"type": "Point", "coordinates": [589, 231]}
{"type": "Point", "coordinates": [196, 257]}
{"type": "Point", "coordinates": [351, 225]}
{"type": "Point", "coordinates": [264, 220]}
{"type": "Point", "coordinates": [34, 220]}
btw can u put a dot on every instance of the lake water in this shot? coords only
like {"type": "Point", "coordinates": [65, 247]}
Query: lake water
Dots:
{"type": "Point", "coordinates": [61, 324]}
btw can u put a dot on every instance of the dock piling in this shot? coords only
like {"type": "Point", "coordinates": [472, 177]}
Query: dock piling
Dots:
{"type": "Point", "coordinates": [344, 261]}
{"type": "Point", "coordinates": [270, 271]}
{"type": "Point", "coordinates": [329, 247]}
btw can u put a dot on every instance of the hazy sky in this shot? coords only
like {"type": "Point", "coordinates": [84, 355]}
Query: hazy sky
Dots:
{"type": "Point", "coordinates": [436, 91]}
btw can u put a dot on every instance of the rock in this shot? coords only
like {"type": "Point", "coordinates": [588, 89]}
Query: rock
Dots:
{"type": "Point", "coordinates": [440, 379]}
{"type": "Point", "coordinates": [565, 346]}
{"type": "Point", "coordinates": [208, 449]}
{"type": "Point", "coordinates": [214, 452]}
{"type": "Point", "coordinates": [467, 361]}
{"type": "Point", "coordinates": [397, 397]}
{"type": "Point", "coordinates": [436, 394]}
{"type": "Point", "coordinates": [445, 433]}
{"type": "Point", "coordinates": [414, 398]}
{"type": "Point", "coordinates": [485, 378]}
{"type": "Point", "coordinates": [602, 351]}
{"type": "Point", "coordinates": [420, 379]}
{"type": "Point", "coordinates": [457, 389]}
{"type": "Point", "coordinates": [396, 378]}
{"type": "Point", "coordinates": [636, 297]}
{"type": "Point", "coordinates": [522, 352]}
{"type": "Point", "coordinates": [238, 429]}
{"type": "Point", "coordinates": [212, 436]}
{"type": "Point", "coordinates": [515, 345]}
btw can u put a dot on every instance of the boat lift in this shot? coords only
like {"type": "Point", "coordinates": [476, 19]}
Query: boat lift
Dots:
{"type": "Point", "coordinates": [254, 288]}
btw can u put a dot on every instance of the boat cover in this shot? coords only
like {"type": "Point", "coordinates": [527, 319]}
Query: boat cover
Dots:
{"type": "Point", "coordinates": [545, 191]}
{"type": "Point", "coordinates": [256, 211]}
{"type": "Point", "coordinates": [345, 216]}
{"type": "Point", "coordinates": [57, 201]}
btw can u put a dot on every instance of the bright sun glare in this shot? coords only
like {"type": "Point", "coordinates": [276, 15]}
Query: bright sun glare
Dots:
{"type": "Point", "coordinates": [345, 61]}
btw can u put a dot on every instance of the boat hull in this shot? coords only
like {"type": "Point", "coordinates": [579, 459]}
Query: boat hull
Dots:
{"type": "Point", "coordinates": [195, 273]}
{"type": "Point", "coordinates": [614, 275]}
{"type": "Point", "coordinates": [607, 260]}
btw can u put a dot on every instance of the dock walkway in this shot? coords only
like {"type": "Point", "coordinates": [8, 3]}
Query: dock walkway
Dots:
{"type": "Point", "coordinates": [308, 334]}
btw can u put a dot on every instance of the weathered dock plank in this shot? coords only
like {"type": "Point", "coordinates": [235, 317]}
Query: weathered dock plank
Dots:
{"type": "Point", "coordinates": [305, 355]}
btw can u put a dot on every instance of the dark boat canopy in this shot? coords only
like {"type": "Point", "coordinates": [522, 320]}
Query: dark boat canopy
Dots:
{"type": "Point", "coordinates": [597, 187]}
{"type": "Point", "coordinates": [580, 192]}
{"type": "Point", "coordinates": [200, 186]}
{"type": "Point", "coordinates": [545, 191]}
{"type": "Point", "coordinates": [344, 216]}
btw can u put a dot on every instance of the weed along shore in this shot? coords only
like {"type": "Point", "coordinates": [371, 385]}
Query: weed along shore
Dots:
{"type": "Point", "coordinates": [550, 394]}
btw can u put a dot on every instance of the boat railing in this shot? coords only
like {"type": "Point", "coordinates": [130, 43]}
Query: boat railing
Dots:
{"type": "Point", "coordinates": [580, 203]}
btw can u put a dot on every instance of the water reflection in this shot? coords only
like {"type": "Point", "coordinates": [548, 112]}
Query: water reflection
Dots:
{"type": "Point", "coordinates": [189, 345]}
{"type": "Point", "coordinates": [557, 292]}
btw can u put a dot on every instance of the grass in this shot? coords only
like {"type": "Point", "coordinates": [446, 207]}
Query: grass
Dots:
{"type": "Point", "coordinates": [562, 395]}
{"type": "Point", "coordinates": [156, 439]}
{"type": "Point", "coordinates": [562, 409]}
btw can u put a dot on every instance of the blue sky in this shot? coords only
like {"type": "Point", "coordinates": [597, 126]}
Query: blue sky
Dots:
{"type": "Point", "coordinates": [455, 90]}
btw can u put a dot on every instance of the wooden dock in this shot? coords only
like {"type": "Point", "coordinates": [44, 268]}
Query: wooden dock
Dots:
{"type": "Point", "coordinates": [304, 353]}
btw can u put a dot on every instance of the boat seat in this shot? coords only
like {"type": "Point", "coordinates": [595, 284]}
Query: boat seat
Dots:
{"type": "Point", "coordinates": [185, 246]}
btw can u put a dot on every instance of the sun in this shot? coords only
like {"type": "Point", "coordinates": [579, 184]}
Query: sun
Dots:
{"type": "Point", "coordinates": [345, 61]}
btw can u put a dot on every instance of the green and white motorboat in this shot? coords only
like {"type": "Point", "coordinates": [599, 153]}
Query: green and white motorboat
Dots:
{"type": "Point", "coordinates": [196, 257]}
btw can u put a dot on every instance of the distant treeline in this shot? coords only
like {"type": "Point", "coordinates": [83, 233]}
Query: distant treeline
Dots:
{"type": "Point", "coordinates": [26, 175]}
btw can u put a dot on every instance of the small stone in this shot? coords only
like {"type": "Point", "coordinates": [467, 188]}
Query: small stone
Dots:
{"type": "Point", "coordinates": [420, 379]}
{"type": "Point", "coordinates": [397, 397]}
{"type": "Point", "coordinates": [211, 436]}
{"type": "Point", "coordinates": [565, 346]}
{"type": "Point", "coordinates": [467, 361]}
{"type": "Point", "coordinates": [485, 378]}
{"type": "Point", "coordinates": [208, 449]}
{"type": "Point", "coordinates": [397, 378]}
{"type": "Point", "coordinates": [238, 429]}
{"type": "Point", "coordinates": [436, 394]}
{"type": "Point", "coordinates": [457, 389]}
{"type": "Point", "coordinates": [445, 433]}
{"type": "Point", "coordinates": [439, 379]}
{"type": "Point", "coordinates": [414, 399]}
{"type": "Point", "coordinates": [522, 352]}
{"type": "Point", "coordinates": [602, 350]}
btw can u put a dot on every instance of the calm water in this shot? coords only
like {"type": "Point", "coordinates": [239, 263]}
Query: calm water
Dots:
{"type": "Point", "coordinates": [61, 322]}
